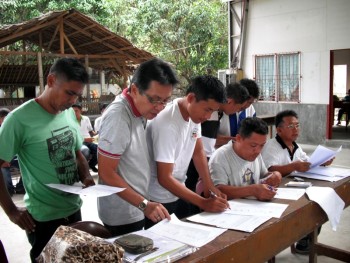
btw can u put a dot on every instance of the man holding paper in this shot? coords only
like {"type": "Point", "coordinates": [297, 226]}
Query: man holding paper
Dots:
{"type": "Point", "coordinates": [237, 168]}
{"type": "Point", "coordinates": [123, 157]}
{"type": "Point", "coordinates": [282, 153]}
{"type": "Point", "coordinates": [44, 134]}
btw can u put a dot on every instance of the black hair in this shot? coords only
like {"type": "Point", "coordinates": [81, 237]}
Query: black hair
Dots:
{"type": "Point", "coordinates": [4, 112]}
{"type": "Point", "coordinates": [103, 106]}
{"type": "Point", "coordinates": [154, 70]}
{"type": "Point", "coordinates": [70, 69]}
{"type": "Point", "coordinates": [252, 124]}
{"type": "Point", "coordinates": [207, 87]}
{"type": "Point", "coordinates": [251, 86]}
{"type": "Point", "coordinates": [237, 92]}
{"type": "Point", "coordinates": [286, 113]}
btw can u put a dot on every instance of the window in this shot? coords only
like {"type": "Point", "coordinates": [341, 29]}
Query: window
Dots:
{"type": "Point", "coordinates": [278, 76]}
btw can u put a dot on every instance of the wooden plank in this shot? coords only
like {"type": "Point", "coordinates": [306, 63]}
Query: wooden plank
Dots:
{"type": "Point", "coordinates": [300, 218]}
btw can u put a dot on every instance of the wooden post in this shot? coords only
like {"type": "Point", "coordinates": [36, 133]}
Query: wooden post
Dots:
{"type": "Point", "coordinates": [88, 84]}
{"type": "Point", "coordinates": [40, 72]}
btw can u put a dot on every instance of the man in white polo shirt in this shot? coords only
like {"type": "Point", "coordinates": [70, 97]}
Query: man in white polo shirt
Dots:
{"type": "Point", "coordinates": [87, 133]}
{"type": "Point", "coordinates": [122, 150]}
{"type": "Point", "coordinates": [284, 155]}
{"type": "Point", "coordinates": [174, 138]}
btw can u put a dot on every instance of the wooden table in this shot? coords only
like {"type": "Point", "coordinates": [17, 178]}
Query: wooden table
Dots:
{"type": "Point", "coordinates": [300, 218]}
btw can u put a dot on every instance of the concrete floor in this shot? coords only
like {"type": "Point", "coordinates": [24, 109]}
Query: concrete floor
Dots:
{"type": "Point", "coordinates": [17, 246]}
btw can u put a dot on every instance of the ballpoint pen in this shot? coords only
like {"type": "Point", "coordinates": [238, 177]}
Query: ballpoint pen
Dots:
{"type": "Point", "coordinates": [271, 188]}
{"type": "Point", "coordinates": [212, 194]}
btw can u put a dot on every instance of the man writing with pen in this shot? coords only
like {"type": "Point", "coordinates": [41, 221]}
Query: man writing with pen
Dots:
{"type": "Point", "coordinates": [237, 168]}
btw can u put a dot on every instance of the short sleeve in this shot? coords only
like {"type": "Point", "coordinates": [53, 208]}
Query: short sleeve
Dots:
{"type": "Point", "coordinates": [11, 134]}
{"type": "Point", "coordinates": [218, 170]}
{"type": "Point", "coordinates": [115, 132]}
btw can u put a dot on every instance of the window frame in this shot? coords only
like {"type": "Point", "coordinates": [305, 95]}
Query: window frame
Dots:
{"type": "Point", "coordinates": [277, 76]}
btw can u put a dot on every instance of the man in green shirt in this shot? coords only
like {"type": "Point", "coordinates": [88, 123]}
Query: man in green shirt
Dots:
{"type": "Point", "coordinates": [45, 136]}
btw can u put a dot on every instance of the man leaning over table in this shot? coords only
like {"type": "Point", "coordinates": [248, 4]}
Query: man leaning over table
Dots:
{"type": "Point", "coordinates": [237, 168]}
{"type": "Point", "coordinates": [284, 155]}
{"type": "Point", "coordinates": [173, 138]}
{"type": "Point", "coordinates": [229, 124]}
{"type": "Point", "coordinates": [44, 134]}
{"type": "Point", "coordinates": [123, 156]}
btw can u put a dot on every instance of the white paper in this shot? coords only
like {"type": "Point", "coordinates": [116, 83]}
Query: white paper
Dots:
{"type": "Point", "coordinates": [330, 171]}
{"type": "Point", "coordinates": [256, 208]}
{"type": "Point", "coordinates": [289, 193]}
{"type": "Point", "coordinates": [329, 201]}
{"type": "Point", "coordinates": [167, 248]}
{"type": "Point", "coordinates": [318, 177]}
{"type": "Point", "coordinates": [230, 221]}
{"type": "Point", "coordinates": [188, 233]}
{"type": "Point", "coordinates": [322, 155]}
{"type": "Point", "coordinates": [94, 190]}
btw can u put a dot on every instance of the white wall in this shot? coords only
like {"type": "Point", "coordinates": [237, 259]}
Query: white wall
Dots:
{"type": "Point", "coordinates": [313, 27]}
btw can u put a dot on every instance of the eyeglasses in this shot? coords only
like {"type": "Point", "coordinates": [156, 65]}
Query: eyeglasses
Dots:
{"type": "Point", "coordinates": [293, 126]}
{"type": "Point", "coordinates": [156, 101]}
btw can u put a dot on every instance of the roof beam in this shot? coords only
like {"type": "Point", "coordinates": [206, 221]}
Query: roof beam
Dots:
{"type": "Point", "coordinates": [137, 60]}
{"type": "Point", "coordinates": [21, 32]}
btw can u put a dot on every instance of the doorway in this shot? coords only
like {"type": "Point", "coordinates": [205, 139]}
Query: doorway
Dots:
{"type": "Point", "coordinates": [339, 85]}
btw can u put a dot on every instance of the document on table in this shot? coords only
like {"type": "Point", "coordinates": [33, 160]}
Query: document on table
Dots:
{"type": "Point", "coordinates": [289, 193]}
{"type": "Point", "coordinates": [256, 208]}
{"type": "Point", "coordinates": [322, 155]}
{"type": "Point", "coordinates": [94, 190]}
{"type": "Point", "coordinates": [169, 250]}
{"type": "Point", "coordinates": [188, 233]}
{"type": "Point", "coordinates": [330, 171]}
{"type": "Point", "coordinates": [333, 178]}
{"type": "Point", "coordinates": [237, 222]}
{"type": "Point", "coordinates": [329, 201]}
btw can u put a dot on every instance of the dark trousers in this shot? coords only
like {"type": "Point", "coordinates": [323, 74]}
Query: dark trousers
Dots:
{"type": "Point", "coordinates": [125, 229]}
{"type": "Point", "coordinates": [184, 208]}
{"type": "Point", "coordinates": [45, 230]}
{"type": "Point", "coordinates": [171, 207]}
{"type": "Point", "coordinates": [340, 113]}
{"type": "Point", "coordinates": [93, 152]}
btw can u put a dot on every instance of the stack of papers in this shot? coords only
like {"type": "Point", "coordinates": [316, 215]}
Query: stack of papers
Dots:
{"type": "Point", "coordinates": [329, 173]}
{"type": "Point", "coordinates": [174, 239]}
{"type": "Point", "coordinates": [322, 155]}
{"type": "Point", "coordinates": [168, 250]}
{"type": "Point", "coordinates": [245, 215]}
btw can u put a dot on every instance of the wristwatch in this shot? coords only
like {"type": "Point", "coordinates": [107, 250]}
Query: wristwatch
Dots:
{"type": "Point", "coordinates": [142, 206]}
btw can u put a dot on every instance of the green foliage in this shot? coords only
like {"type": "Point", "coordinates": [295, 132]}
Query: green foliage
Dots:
{"type": "Point", "coordinates": [191, 34]}
{"type": "Point", "coordinates": [16, 11]}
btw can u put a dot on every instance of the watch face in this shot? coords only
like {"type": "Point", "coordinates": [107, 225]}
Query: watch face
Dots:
{"type": "Point", "coordinates": [142, 206]}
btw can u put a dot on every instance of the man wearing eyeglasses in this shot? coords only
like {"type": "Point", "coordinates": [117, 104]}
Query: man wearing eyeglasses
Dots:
{"type": "Point", "coordinates": [174, 138]}
{"type": "Point", "coordinates": [284, 155]}
{"type": "Point", "coordinates": [123, 156]}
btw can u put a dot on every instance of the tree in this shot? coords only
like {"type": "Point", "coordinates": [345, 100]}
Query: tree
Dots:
{"type": "Point", "coordinates": [16, 11]}
{"type": "Point", "coordinates": [191, 34]}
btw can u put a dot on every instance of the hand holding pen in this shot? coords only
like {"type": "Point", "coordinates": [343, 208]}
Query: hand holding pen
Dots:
{"type": "Point", "coordinates": [214, 195]}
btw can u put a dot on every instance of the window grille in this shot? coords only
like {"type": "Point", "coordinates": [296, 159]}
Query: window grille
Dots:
{"type": "Point", "coordinates": [278, 76]}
